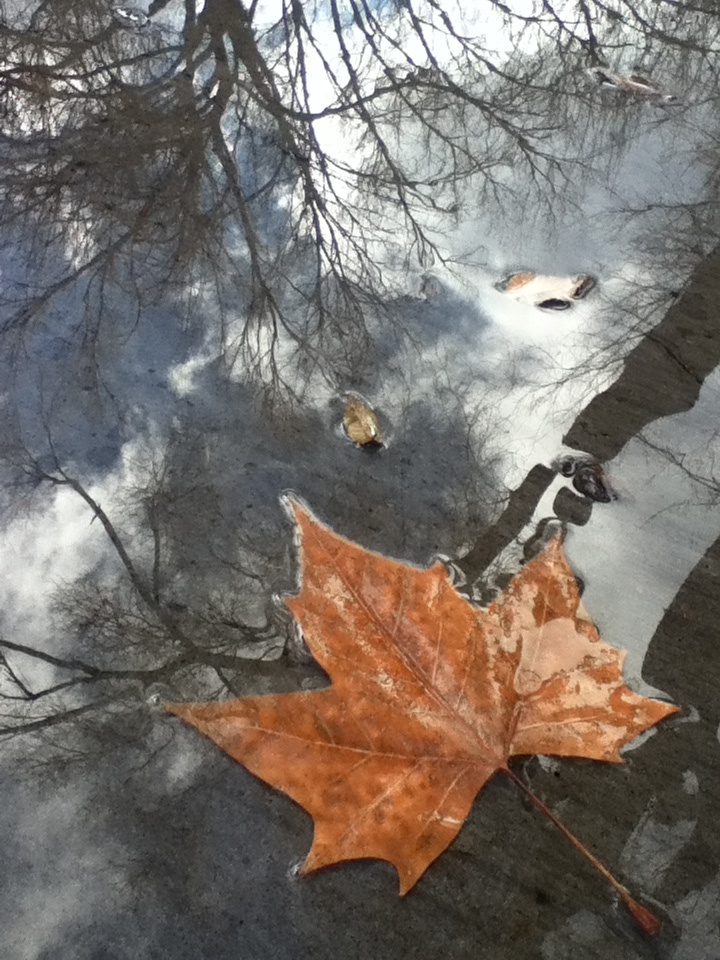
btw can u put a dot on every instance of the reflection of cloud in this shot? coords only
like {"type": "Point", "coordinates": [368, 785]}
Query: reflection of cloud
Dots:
{"type": "Point", "coordinates": [651, 849]}
{"type": "Point", "coordinates": [60, 877]}
{"type": "Point", "coordinates": [699, 913]}
{"type": "Point", "coordinates": [181, 377]}
{"type": "Point", "coordinates": [40, 552]}
{"type": "Point", "coordinates": [585, 934]}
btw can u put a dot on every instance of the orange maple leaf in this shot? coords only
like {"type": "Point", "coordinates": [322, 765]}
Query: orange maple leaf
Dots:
{"type": "Point", "coordinates": [430, 696]}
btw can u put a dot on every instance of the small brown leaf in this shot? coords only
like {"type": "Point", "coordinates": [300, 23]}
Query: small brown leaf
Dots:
{"type": "Point", "coordinates": [361, 423]}
{"type": "Point", "coordinates": [518, 280]}
{"type": "Point", "coordinates": [547, 291]}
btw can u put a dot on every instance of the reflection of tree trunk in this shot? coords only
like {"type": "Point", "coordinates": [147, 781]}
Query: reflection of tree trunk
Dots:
{"type": "Point", "coordinates": [248, 677]}
{"type": "Point", "coordinates": [683, 658]}
{"type": "Point", "coordinates": [516, 514]}
{"type": "Point", "coordinates": [687, 635]}
{"type": "Point", "coordinates": [661, 376]}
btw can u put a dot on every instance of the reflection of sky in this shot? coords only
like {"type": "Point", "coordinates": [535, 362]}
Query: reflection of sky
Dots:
{"type": "Point", "coordinates": [471, 401]}
{"type": "Point", "coordinates": [635, 555]}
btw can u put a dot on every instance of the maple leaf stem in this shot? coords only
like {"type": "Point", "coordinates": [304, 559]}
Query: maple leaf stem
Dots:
{"type": "Point", "coordinates": [643, 918]}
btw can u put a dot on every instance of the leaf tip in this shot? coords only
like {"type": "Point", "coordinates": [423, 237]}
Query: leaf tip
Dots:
{"type": "Point", "coordinates": [187, 712]}
{"type": "Point", "coordinates": [292, 505]}
{"type": "Point", "coordinates": [660, 710]}
{"type": "Point", "coordinates": [405, 886]}
{"type": "Point", "coordinates": [177, 709]}
{"type": "Point", "coordinates": [298, 512]}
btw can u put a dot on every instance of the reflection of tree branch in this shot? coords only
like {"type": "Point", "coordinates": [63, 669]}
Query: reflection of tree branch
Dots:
{"type": "Point", "coordinates": [709, 482]}
{"type": "Point", "coordinates": [38, 303]}
{"type": "Point", "coordinates": [66, 716]}
{"type": "Point", "coordinates": [137, 580]}
{"type": "Point", "coordinates": [155, 529]}
{"type": "Point", "coordinates": [220, 133]}
{"type": "Point", "coordinates": [62, 662]}
{"type": "Point", "coordinates": [520, 507]}
{"type": "Point", "coordinates": [145, 635]}
{"type": "Point", "coordinates": [167, 618]}
{"type": "Point", "coordinates": [251, 670]}
{"type": "Point", "coordinates": [26, 693]}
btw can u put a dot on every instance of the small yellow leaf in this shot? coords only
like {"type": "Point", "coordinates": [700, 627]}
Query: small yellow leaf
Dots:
{"type": "Point", "coordinates": [361, 424]}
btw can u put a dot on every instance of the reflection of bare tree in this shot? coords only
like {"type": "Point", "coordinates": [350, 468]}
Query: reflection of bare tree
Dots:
{"type": "Point", "coordinates": [130, 637]}
{"type": "Point", "coordinates": [208, 149]}
{"type": "Point", "coordinates": [271, 154]}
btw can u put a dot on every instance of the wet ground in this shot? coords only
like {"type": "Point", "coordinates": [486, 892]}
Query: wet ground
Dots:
{"type": "Point", "coordinates": [170, 367]}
